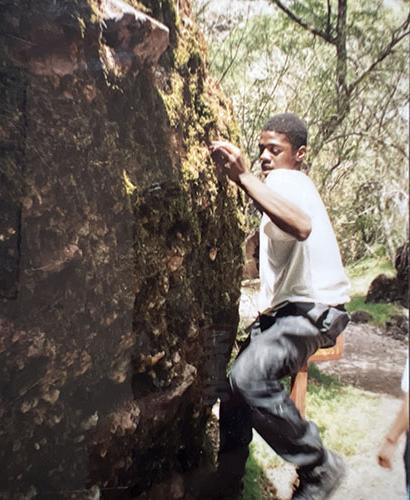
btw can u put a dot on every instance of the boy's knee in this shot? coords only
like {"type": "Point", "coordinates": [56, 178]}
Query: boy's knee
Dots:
{"type": "Point", "coordinates": [253, 369]}
{"type": "Point", "coordinates": [238, 377]}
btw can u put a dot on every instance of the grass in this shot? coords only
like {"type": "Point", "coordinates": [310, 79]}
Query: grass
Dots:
{"type": "Point", "coordinates": [361, 274]}
{"type": "Point", "coordinates": [256, 485]}
{"type": "Point", "coordinates": [380, 312]}
{"type": "Point", "coordinates": [338, 411]}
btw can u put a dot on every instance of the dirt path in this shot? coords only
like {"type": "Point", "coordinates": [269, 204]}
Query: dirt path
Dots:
{"type": "Point", "coordinates": [373, 362]}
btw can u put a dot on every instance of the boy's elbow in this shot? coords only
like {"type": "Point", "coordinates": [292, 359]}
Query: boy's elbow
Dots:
{"type": "Point", "coordinates": [304, 232]}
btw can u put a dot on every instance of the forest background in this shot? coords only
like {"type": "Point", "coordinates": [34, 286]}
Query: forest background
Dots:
{"type": "Point", "coordinates": [342, 65]}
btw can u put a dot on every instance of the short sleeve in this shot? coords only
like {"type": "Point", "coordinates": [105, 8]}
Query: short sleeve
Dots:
{"type": "Point", "coordinates": [296, 188]}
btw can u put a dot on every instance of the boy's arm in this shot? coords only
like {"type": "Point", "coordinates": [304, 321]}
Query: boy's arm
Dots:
{"type": "Point", "coordinates": [400, 425]}
{"type": "Point", "coordinates": [284, 214]}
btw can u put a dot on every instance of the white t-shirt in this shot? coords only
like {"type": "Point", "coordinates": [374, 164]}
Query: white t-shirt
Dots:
{"type": "Point", "coordinates": [405, 377]}
{"type": "Point", "coordinates": [300, 271]}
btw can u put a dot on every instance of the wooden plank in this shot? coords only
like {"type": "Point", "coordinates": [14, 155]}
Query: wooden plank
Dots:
{"type": "Point", "coordinates": [299, 388]}
{"type": "Point", "coordinates": [330, 353]}
{"type": "Point", "coordinates": [300, 380]}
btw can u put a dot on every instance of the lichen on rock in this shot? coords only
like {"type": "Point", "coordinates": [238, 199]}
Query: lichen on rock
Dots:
{"type": "Point", "coordinates": [120, 249]}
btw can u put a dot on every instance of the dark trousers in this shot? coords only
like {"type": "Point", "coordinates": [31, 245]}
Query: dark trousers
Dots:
{"type": "Point", "coordinates": [258, 399]}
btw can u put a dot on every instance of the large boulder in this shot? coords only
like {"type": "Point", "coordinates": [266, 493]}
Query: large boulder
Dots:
{"type": "Point", "coordinates": [120, 251]}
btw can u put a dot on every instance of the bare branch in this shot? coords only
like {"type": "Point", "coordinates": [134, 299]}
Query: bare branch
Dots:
{"type": "Point", "coordinates": [397, 36]}
{"type": "Point", "coordinates": [322, 34]}
{"type": "Point", "coordinates": [238, 46]}
{"type": "Point", "coordinates": [329, 17]}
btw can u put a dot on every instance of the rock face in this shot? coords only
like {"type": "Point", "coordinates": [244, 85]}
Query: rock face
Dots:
{"type": "Point", "coordinates": [119, 249]}
{"type": "Point", "coordinates": [398, 327]}
{"type": "Point", "coordinates": [251, 266]}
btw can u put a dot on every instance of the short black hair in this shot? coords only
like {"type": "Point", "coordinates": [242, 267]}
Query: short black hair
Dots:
{"type": "Point", "coordinates": [291, 125]}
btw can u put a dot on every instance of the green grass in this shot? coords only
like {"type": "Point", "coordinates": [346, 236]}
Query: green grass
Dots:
{"type": "Point", "coordinates": [338, 411]}
{"type": "Point", "coordinates": [253, 479]}
{"type": "Point", "coordinates": [361, 274]}
{"type": "Point", "coordinates": [380, 312]}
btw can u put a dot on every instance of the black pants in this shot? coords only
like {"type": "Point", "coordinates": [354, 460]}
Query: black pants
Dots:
{"type": "Point", "coordinates": [258, 399]}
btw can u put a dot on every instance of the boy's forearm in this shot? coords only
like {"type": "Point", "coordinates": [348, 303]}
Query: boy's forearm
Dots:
{"type": "Point", "coordinates": [400, 424]}
{"type": "Point", "coordinates": [282, 213]}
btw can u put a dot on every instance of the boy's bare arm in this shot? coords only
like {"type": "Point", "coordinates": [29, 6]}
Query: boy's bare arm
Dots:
{"type": "Point", "coordinates": [283, 213]}
{"type": "Point", "coordinates": [400, 425]}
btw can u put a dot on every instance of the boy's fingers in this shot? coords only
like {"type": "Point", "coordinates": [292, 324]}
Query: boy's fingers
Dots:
{"type": "Point", "coordinates": [227, 153]}
{"type": "Point", "coordinates": [223, 144]}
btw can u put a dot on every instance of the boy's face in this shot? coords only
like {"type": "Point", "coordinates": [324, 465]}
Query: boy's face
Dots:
{"type": "Point", "coordinates": [275, 151]}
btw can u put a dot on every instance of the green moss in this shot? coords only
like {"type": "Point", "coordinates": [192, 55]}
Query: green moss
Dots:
{"type": "Point", "coordinates": [129, 186]}
{"type": "Point", "coordinates": [196, 160]}
{"type": "Point", "coordinates": [174, 100]}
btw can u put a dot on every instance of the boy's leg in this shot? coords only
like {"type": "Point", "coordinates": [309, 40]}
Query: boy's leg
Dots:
{"type": "Point", "coordinates": [279, 351]}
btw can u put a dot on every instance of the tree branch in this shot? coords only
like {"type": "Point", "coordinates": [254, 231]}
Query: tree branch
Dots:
{"type": "Point", "coordinates": [329, 17]}
{"type": "Point", "coordinates": [238, 46]}
{"type": "Point", "coordinates": [397, 36]}
{"type": "Point", "coordinates": [324, 35]}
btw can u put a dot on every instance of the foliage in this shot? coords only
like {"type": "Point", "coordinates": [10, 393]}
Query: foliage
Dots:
{"type": "Point", "coordinates": [345, 73]}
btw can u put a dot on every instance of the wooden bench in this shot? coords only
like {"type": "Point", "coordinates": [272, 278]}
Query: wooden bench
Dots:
{"type": "Point", "coordinates": [300, 380]}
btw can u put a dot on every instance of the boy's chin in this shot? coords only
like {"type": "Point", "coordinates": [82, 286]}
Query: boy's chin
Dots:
{"type": "Point", "coordinates": [265, 173]}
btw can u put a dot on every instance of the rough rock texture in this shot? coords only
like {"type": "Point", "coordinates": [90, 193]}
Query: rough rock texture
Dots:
{"type": "Point", "coordinates": [397, 326]}
{"type": "Point", "coordinates": [119, 249]}
{"type": "Point", "coordinates": [385, 289]}
{"type": "Point", "coordinates": [251, 266]}
{"type": "Point", "coordinates": [360, 317]}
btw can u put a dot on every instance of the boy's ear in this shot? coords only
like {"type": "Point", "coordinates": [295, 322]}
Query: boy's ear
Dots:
{"type": "Point", "coordinates": [300, 154]}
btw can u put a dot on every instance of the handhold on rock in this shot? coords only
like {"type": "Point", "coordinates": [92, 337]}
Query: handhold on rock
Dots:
{"type": "Point", "coordinates": [129, 33]}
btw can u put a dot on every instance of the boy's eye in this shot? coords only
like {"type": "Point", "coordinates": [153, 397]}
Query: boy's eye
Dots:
{"type": "Point", "coordinates": [274, 150]}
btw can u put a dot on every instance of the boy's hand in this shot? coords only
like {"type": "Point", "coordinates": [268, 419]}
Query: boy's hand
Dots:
{"type": "Point", "coordinates": [228, 159]}
{"type": "Point", "coordinates": [385, 454]}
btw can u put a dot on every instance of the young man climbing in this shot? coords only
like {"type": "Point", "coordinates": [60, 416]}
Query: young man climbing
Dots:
{"type": "Point", "coordinates": [303, 289]}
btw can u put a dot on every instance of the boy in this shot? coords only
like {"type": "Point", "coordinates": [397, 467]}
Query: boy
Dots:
{"type": "Point", "coordinates": [303, 289]}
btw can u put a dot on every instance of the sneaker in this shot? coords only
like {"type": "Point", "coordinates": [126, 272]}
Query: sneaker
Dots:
{"type": "Point", "coordinates": [322, 481]}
